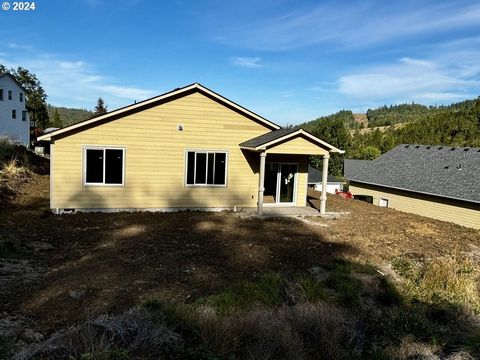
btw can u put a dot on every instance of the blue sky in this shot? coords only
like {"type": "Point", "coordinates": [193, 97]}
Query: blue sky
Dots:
{"type": "Point", "coordinates": [290, 61]}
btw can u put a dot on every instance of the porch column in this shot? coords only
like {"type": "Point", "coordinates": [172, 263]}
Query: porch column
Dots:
{"type": "Point", "coordinates": [323, 197]}
{"type": "Point", "coordinates": [261, 182]}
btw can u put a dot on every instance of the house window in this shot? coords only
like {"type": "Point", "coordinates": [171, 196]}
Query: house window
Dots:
{"type": "Point", "coordinates": [14, 114]}
{"type": "Point", "coordinates": [24, 115]}
{"type": "Point", "coordinates": [206, 168]}
{"type": "Point", "coordinates": [104, 166]}
{"type": "Point", "coordinates": [382, 202]}
{"type": "Point", "coordinates": [1, 94]}
{"type": "Point", "coordinates": [21, 97]}
{"type": "Point", "coordinates": [9, 94]}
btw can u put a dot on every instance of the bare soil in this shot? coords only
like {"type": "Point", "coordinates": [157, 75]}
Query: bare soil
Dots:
{"type": "Point", "coordinates": [84, 264]}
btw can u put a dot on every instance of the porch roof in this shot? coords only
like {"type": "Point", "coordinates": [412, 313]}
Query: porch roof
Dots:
{"type": "Point", "coordinates": [281, 136]}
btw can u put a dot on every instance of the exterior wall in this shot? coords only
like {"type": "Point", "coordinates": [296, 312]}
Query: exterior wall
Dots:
{"type": "Point", "coordinates": [330, 187]}
{"type": "Point", "coordinates": [458, 212]}
{"type": "Point", "coordinates": [15, 129]}
{"type": "Point", "coordinates": [297, 146]}
{"type": "Point", "coordinates": [155, 159]}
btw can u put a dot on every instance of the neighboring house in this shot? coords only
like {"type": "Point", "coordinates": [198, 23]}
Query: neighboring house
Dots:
{"type": "Point", "coordinates": [441, 182]}
{"type": "Point", "coordinates": [315, 181]}
{"type": "Point", "coordinates": [14, 118]}
{"type": "Point", "coordinates": [188, 148]}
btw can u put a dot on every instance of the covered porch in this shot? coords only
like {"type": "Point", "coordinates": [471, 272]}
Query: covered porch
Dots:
{"type": "Point", "coordinates": [283, 167]}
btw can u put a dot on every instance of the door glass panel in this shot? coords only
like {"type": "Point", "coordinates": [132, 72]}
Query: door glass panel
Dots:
{"type": "Point", "coordinates": [287, 182]}
{"type": "Point", "coordinates": [270, 193]}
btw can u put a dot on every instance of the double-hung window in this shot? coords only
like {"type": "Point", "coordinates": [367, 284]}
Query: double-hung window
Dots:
{"type": "Point", "coordinates": [14, 114]}
{"type": "Point", "coordinates": [1, 94]}
{"type": "Point", "coordinates": [104, 166]}
{"type": "Point", "coordinates": [9, 94]}
{"type": "Point", "coordinates": [20, 97]}
{"type": "Point", "coordinates": [206, 168]}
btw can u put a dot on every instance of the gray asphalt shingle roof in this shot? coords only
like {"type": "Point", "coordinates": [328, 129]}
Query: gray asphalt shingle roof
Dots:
{"type": "Point", "coordinates": [351, 166]}
{"type": "Point", "coordinates": [266, 138]}
{"type": "Point", "coordinates": [452, 172]}
{"type": "Point", "coordinates": [315, 176]}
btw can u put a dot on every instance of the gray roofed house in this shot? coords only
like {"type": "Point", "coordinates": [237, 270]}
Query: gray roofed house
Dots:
{"type": "Point", "coordinates": [351, 166]}
{"type": "Point", "coordinates": [440, 181]}
{"type": "Point", "coordinates": [315, 181]}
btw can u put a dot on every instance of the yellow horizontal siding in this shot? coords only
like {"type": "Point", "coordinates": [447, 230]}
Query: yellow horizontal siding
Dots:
{"type": "Point", "coordinates": [436, 208]}
{"type": "Point", "coordinates": [297, 145]}
{"type": "Point", "coordinates": [155, 159]}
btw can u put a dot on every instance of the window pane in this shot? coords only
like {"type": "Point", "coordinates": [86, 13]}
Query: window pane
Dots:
{"type": "Point", "coordinates": [1, 94]}
{"type": "Point", "coordinates": [113, 166]}
{"type": "Point", "coordinates": [94, 166]}
{"type": "Point", "coordinates": [220, 167]}
{"type": "Point", "coordinates": [211, 157]}
{"type": "Point", "coordinates": [14, 114]}
{"type": "Point", "coordinates": [190, 167]}
{"type": "Point", "coordinates": [201, 168]}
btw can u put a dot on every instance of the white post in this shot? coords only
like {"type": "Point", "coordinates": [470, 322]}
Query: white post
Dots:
{"type": "Point", "coordinates": [323, 197]}
{"type": "Point", "coordinates": [261, 182]}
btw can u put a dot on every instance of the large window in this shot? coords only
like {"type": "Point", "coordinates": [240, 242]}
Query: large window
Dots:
{"type": "Point", "coordinates": [206, 168]}
{"type": "Point", "coordinates": [104, 166]}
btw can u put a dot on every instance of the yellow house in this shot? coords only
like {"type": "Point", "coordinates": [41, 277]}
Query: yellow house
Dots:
{"type": "Point", "coordinates": [441, 182]}
{"type": "Point", "coordinates": [188, 148]}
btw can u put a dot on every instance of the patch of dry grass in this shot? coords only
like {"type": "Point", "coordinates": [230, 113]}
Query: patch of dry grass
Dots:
{"type": "Point", "coordinates": [452, 280]}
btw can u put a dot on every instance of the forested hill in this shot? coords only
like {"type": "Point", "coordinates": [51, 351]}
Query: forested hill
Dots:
{"type": "Point", "coordinates": [394, 114]}
{"type": "Point", "coordinates": [67, 116]}
{"type": "Point", "coordinates": [453, 125]}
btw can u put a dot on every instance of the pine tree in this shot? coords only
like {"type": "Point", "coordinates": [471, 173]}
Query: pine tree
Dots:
{"type": "Point", "coordinates": [101, 108]}
{"type": "Point", "coordinates": [56, 120]}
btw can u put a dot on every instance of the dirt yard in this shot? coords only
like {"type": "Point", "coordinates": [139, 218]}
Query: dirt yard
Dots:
{"type": "Point", "coordinates": [63, 269]}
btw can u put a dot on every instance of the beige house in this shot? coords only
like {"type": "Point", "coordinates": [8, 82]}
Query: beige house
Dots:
{"type": "Point", "coordinates": [435, 181]}
{"type": "Point", "coordinates": [188, 148]}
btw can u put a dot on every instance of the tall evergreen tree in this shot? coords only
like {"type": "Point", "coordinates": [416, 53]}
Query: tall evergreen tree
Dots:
{"type": "Point", "coordinates": [101, 108]}
{"type": "Point", "coordinates": [56, 120]}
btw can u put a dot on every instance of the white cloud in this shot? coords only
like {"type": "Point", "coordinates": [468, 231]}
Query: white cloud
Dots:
{"type": "Point", "coordinates": [247, 62]}
{"type": "Point", "coordinates": [76, 83]}
{"type": "Point", "coordinates": [355, 24]}
{"type": "Point", "coordinates": [411, 79]}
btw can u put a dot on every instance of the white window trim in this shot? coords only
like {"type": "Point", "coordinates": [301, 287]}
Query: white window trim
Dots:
{"type": "Point", "coordinates": [384, 199]}
{"type": "Point", "coordinates": [101, 147]}
{"type": "Point", "coordinates": [204, 151]}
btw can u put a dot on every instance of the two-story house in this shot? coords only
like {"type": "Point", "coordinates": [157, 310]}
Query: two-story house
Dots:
{"type": "Point", "coordinates": [14, 118]}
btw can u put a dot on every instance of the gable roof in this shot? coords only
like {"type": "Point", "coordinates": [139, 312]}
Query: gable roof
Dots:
{"type": "Point", "coordinates": [168, 96]}
{"type": "Point", "coordinates": [444, 171]}
{"type": "Point", "coordinates": [276, 136]}
{"type": "Point", "coordinates": [315, 176]}
{"type": "Point", "coordinates": [351, 166]}
{"type": "Point", "coordinates": [13, 78]}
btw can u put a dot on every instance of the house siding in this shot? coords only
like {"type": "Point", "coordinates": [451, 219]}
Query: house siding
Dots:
{"type": "Point", "coordinates": [459, 212]}
{"type": "Point", "coordinates": [17, 130]}
{"type": "Point", "coordinates": [155, 159]}
{"type": "Point", "coordinates": [298, 146]}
